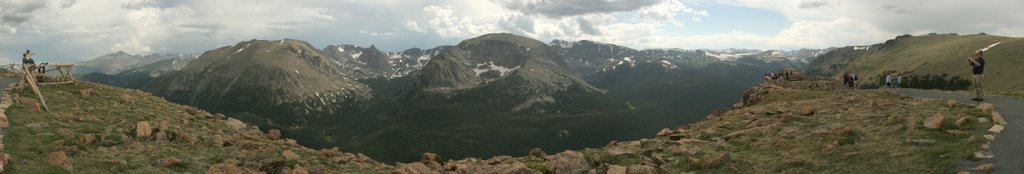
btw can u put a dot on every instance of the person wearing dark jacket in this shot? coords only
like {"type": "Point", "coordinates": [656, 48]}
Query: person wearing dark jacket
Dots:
{"type": "Point", "coordinates": [978, 70]}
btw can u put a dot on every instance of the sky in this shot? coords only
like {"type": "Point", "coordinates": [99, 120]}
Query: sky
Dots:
{"type": "Point", "coordinates": [76, 30]}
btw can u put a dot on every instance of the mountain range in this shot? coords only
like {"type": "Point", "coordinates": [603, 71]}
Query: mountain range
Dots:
{"type": "Point", "coordinates": [494, 94]}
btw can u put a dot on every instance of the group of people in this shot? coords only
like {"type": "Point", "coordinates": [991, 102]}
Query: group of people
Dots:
{"type": "Point", "coordinates": [850, 80]}
{"type": "Point", "coordinates": [27, 60]}
{"type": "Point", "coordinates": [785, 75]}
{"type": "Point", "coordinates": [893, 79]}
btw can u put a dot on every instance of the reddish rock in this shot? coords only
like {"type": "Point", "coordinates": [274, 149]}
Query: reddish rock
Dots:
{"type": "Point", "coordinates": [807, 110]}
{"type": "Point", "coordinates": [989, 168]}
{"type": "Point", "coordinates": [3, 121]}
{"type": "Point", "coordinates": [983, 120]}
{"type": "Point", "coordinates": [430, 157]}
{"type": "Point", "coordinates": [567, 162]}
{"type": "Point", "coordinates": [4, 158]}
{"type": "Point", "coordinates": [665, 132]}
{"type": "Point", "coordinates": [332, 152]}
{"type": "Point", "coordinates": [274, 134]}
{"type": "Point", "coordinates": [300, 170]}
{"type": "Point", "coordinates": [998, 118]}
{"type": "Point", "coordinates": [934, 122]}
{"type": "Point", "coordinates": [616, 169]}
{"type": "Point", "coordinates": [996, 129]}
{"type": "Point", "coordinates": [951, 103]}
{"type": "Point", "coordinates": [289, 155]}
{"type": "Point", "coordinates": [85, 92]}
{"type": "Point", "coordinates": [893, 119]}
{"type": "Point", "coordinates": [87, 139]}
{"type": "Point", "coordinates": [961, 122]}
{"type": "Point", "coordinates": [414, 168]}
{"type": "Point", "coordinates": [537, 152]}
{"type": "Point", "coordinates": [59, 159]}
{"type": "Point", "coordinates": [227, 167]}
{"type": "Point", "coordinates": [143, 130]}
{"type": "Point", "coordinates": [986, 107]}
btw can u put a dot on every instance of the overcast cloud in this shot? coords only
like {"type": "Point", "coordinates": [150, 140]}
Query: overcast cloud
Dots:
{"type": "Point", "coordinates": [71, 30]}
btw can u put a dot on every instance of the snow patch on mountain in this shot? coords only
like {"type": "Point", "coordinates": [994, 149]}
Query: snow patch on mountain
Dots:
{"type": "Point", "coordinates": [489, 66]}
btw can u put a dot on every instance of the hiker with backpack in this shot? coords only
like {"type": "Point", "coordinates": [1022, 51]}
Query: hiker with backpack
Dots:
{"type": "Point", "coordinates": [977, 70]}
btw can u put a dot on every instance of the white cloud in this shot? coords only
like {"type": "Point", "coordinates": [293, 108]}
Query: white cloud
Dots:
{"type": "Point", "coordinates": [872, 21]}
{"type": "Point", "coordinates": [75, 30]}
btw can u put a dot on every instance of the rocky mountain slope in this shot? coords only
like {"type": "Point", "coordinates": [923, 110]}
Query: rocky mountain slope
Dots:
{"type": "Point", "coordinates": [263, 77]}
{"type": "Point", "coordinates": [94, 128]}
{"type": "Point", "coordinates": [935, 61]}
{"type": "Point", "coordinates": [522, 66]}
{"type": "Point", "coordinates": [365, 63]}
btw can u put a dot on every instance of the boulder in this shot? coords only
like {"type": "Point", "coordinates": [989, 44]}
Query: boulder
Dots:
{"type": "Point", "coordinates": [518, 168]}
{"type": "Point", "coordinates": [951, 103]}
{"type": "Point", "coordinates": [414, 168]}
{"type": "Point", "coordinates": [3, 121]}
{"type": "Point", "coordinates": [289, 155]}
{"type": "Point", "coordinates": [893, 119]}
{"type": "Point", "coordinates": [935, 121]}
{"type": "Point", "coordinates": [274, 134]}
{"type": "Point", "coordinates": [235, 124]}
{"type": "Point", "coordinates": [986, 107]}
{"type": "Point", "coordinates": [332, 152]}
{"type": "Point", "coordinates": [143, 130]}
{"type": "Point", "coordinates": [988, 168]}
{"type": "Point", "coordinates": [87, 139]}
{"type": "Point", "coordinates": [567, 162]}
{"type": "Point", "coordinates": [998, 118]}
{"type": "Point", "coordinates": [961, 122]}
{"type": "Point", "coordinates": [427, 157]}
{"type": "Point", "coordinates": [537, 152]}
{"type": "Point", "coordinates": [59, 159]}
{"type": "Point", "coordinates": [299, 170]}
{"type": "Point", "coordinates": [982, 120]}
{"type": "Point", "coordinates": [85, 92]}
{"type": "Point", "coordinates": [4, 158]}
{"type": "Point", "coordinates": [226, 167]}
{"type": "Point", "coordinates": [996, 129]}
{"type": "Point", "coordinates": [66, 133]}
{"type": "Point", "coordinates": [665, 132]}
{"type": "Point", "coordinates": [616, 169]}
{"type": "Point", "coordinates": [192, 110]}
{"type": "Point", "coordinates": [807, 110]}
{"type": "Point", "coordinates": [167, 162]}
{"type": "Point", "coordinates": [641, 169]}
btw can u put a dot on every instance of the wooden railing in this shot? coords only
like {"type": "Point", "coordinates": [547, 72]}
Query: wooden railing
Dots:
{"type": "Point", "coordinates": [34, 75]}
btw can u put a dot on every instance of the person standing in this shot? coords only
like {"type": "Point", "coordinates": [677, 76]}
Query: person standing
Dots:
{"type": "Point", "coordinates": [899, 80]}
{"type": "Point", "coordinates": [978, 71]}
{"type": "Point", "coordinates": [888, 80]}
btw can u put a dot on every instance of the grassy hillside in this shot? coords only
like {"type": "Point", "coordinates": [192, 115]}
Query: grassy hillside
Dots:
{"type": "Point", "coordinates": [930, 62]}
{"type": "Point", "coordinates": [93, 128]}
{"type": "Point", "coordinates": [778, 131]}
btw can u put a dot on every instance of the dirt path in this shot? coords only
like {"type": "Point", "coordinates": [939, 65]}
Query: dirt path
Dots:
{"type": "Point", "coordinates": [1009, 155]}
